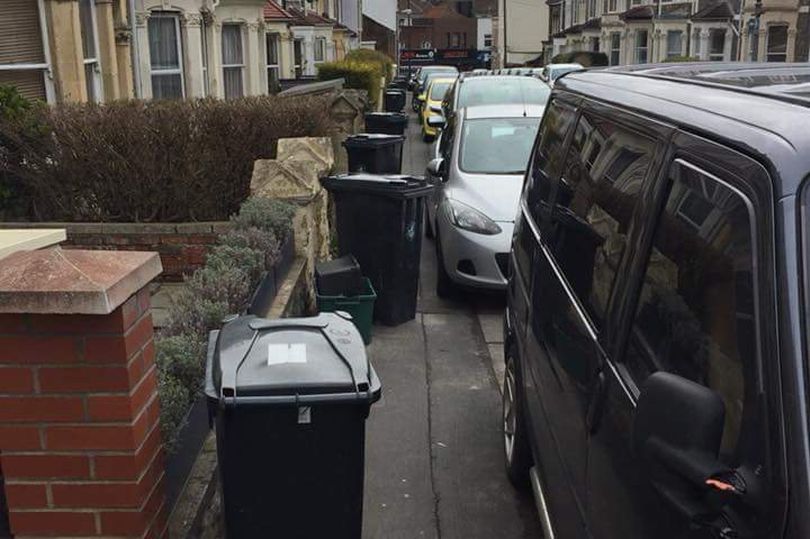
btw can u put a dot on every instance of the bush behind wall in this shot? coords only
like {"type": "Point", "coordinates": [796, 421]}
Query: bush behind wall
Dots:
{"type": "Point", "coordinates": [137, 161]}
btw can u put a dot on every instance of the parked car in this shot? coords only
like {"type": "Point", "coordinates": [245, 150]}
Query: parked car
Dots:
{"type": "Point", "coordinates": [495, 89]}
{"type": "Point", "coordinates": [484, 152]}
{"type": "Point", "coordinates": [658, 299]}
{"type": "Point", "coordinates": [424, 78]}
{"type": "Point", "coordinates": [552, 72]}
{"type": "Point", "coordinates": [432, 105]}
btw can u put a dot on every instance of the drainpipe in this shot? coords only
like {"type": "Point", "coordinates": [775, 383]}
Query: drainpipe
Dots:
{"type": "Point", "coordinates": [135, 53]}
{"type": "Point", "coordinates": [505, 41]}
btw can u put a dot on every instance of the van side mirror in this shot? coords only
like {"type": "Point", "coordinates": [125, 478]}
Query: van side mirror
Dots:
{"type": "Point", "coordinates": [677, 433]}
{"type": "Point", "coordinates": [437, 169]}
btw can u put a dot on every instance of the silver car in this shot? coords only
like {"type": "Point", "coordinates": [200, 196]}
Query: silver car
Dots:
{"type": "Point", "coordinates": [483, 153]}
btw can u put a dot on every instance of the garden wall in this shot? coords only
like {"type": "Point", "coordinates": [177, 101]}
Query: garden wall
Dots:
{"type": "Point", "coordinates": [182, 246]}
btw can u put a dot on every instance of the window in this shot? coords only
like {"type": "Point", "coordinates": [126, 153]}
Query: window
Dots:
{"type": "Point", "coordinates": [591, 9]}
{"type": "Point", "coordinates": [674, 43]}
{"type": "Point", "coordinates": [233, 63]}
{"type": "Point", "coordinates": [547, 159]}
{"type": "Point", "coordinates": [575, 11]}
{"type": "Point", "coordinates": [456, 40]}
{"type": "Point", "coordinates": [598, 190]}
{"type": "Point", "coordinates": [615, 48]}
{"type": "Point", "coordinates": [777, 43]}
{"type": "Point", "coordinates": [272, 44]}
{"type": "Point", "coordinates": [717, 44]}
{"type": "Point", "coordinates": [24, 61]}
{"type": "Point", "coordinates": [613, 6]}
{"type": "Point", "coordinates": [487, 41]}
{"type": "Point", "coordinates": [92, 72]}
{"type": "Point", "coordinates": [641, 47]}
{"type": "Point", "coordinates": [298, 57]}
{"type": "Point", "coordinates": [595, 44]}
{"type": "Point", "coordinates": [320, 49]}
{"type": "Point", "coordinates": [204, 51]}
{"type": "Point", "coordinates": [494, 91]}
{"type": "Point", "coordinates": [165, 55]}
{"type": "Point", "coordinates": [497, 146]}
{"type": "Point", "coordinates": [695, 315]}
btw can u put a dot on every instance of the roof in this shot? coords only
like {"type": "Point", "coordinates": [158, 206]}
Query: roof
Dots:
{"type": "Point", "coordinates": [713, 12]}
{"type": "Point", "coordinates": [308, 18]}
{"type": "Point", "coordinates": [273, 11]}
{"type": "Point", "coordinates": [481, 112]}
{"type": "Point", "coordinates": [762, 109]}
{"type": "Point", "coordinates": [441, 11]}
{"type": "Point", "coordinates": [648, 12]}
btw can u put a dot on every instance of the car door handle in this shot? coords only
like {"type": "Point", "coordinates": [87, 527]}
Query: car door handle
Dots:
{"type": "Point", "coordinates": [597, 403]}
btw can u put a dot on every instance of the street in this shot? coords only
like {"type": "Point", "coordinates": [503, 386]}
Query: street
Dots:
{"type": "Point", "coordinates": [434, 462]}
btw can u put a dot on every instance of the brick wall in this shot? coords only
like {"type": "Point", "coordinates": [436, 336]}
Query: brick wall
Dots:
{"type": "Point", "coordinates": [183, 247]}
{"type": "Point", "coordinates": [80, 444]}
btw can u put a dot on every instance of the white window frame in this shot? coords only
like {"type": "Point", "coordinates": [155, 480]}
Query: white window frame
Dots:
{"type": "Point", "coordinates": [204, 51]}
{"type": "Point", "coordinates": [175, 16]}
{"type": "Point", "coordinates": [319, 45]}
{"type": "Point", "coordinates": [638, 48]}
{"type": "Point", "coordinates": [617, 50]}
{"type": "Point", "coordinates": [612, 6]}
{"type": "Point", "coordinates": [768, 52]}
{"type": "Point", "coordinates": [679, 52]}
{"type": "Point", "coordinates": [717, 56]}
{"type": "Point", "coordinates": [98, 87]}
{"type": "Point", "coordinates": [45, 67]}
{"type": "Point", "coordinates": [276, 66]}
{"type": "Point", "coordinates": [240, 66]}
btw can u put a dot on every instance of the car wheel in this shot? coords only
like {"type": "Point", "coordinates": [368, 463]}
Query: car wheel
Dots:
{"type": "Point", "coordinates": [427, 138]}
{"type": "Point", "coordinates": [517, 454]}
{"type": "Point", "coordinates": [444, 284]}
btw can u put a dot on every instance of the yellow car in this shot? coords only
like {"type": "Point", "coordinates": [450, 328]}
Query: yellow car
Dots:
{"type": "Point", "coordinates": [432, 105]}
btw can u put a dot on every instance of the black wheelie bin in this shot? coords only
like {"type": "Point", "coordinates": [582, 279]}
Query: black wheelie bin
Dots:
{"type": "Point", "coordinates": [379, 221]}
{"type": "Point", "coordinates": [375, 153]}
{"type": "Point", "coordinates": [389, 123]}
{"type": "Point", "coordinates": [290, 398]}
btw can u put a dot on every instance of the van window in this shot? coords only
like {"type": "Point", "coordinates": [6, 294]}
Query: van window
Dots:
{"type": "Point", "coordinates": [695, 314]}
{"type": "Point", "coordinates": [548, 156]}
{"type": "Point", "coordinates": [597, 192]}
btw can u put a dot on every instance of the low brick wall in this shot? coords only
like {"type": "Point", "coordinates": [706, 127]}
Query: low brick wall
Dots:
{"type": "Point", "coordinates": [183, 247]}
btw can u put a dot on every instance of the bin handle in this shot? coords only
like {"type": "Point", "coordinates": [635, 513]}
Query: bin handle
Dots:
{"type": "Point", "coordinates": [276, 324]}
{"type": "Point", "coordinates": [227, 392]}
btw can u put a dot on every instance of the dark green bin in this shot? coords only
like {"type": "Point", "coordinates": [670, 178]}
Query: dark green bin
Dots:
{"type": "Point", "coordinates": [360, 307]}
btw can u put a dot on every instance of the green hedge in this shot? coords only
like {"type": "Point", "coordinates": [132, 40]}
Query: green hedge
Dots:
{"type": "Point", "coordinates": [357, 75]}
{"type": "Point", "coordinates": [583, 58]}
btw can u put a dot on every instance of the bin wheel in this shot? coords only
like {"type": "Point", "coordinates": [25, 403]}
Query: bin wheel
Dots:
{"type": "Point", "coordinates": [517, 454]}
{"type": "Point", "coordinates": [444, 284]}
{"type": "Point", "coordinates": [427, 138]}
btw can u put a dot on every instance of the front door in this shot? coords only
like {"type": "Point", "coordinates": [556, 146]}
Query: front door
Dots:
{"type": "Point", "coordinates": [693, 303]}
{"type": "Point", "coordinates": [298, 57]}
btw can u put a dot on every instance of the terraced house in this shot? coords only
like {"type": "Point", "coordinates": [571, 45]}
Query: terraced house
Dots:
{"type": "Point", "coordinates": [59, 51]}
{"type": "Point", "coordinates": [641, 31]}
{"type": "Point", "coordinates": [101, 50]}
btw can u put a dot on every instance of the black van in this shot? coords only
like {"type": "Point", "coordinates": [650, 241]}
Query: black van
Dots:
{"type": "Point", "coordinates": [657, 372]}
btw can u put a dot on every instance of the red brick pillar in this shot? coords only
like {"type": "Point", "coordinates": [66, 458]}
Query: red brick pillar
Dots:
{"type": "Point", "coordinates": [80, 445]}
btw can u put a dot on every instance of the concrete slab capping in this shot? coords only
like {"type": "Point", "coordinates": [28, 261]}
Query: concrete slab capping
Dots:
{"type": "Point", "coordinates": [194, 228]}
{"type": "Point", "coordinates": [73, 281]}
{"type": "Point", "coordinates": [317, 150]}
{"type": "Point", "coordinates": [285, 179]}
{"type": "Point", "coordinates": [139, 228]}
{"type": "Point", "coordinates": [14, 240]}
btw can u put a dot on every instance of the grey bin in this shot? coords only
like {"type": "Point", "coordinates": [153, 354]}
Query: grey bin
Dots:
{"type": "Point", "coordinates": [289, 399]}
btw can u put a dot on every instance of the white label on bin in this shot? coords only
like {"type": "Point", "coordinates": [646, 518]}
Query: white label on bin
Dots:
{"type": "Point", "coordinates": [280, 354]}
{"type": "Point", "coordinates": [304, 415]}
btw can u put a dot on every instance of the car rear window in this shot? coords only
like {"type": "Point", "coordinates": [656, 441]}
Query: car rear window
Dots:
{"type": "Point", "coordinates": [438, 89]}
{"type": "Point", "coordinates": [498, 91]}
{"type": "Point", "coordinates": [497, 145]}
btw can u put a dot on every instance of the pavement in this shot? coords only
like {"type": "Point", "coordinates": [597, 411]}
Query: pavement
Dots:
{"type": "Point", "coordinates": [434, 457]}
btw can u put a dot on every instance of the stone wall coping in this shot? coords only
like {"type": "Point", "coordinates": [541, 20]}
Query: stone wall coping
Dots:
{"type": "Point", "coordinates": [15, 239]}
{"type": "Point", "coordinates": [73, 281]}
{"type": "Point", "coordinates": [192, 227]}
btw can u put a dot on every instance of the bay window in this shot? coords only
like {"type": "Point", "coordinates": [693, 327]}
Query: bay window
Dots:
{"type": "Point", "coordinates": [272, 45]}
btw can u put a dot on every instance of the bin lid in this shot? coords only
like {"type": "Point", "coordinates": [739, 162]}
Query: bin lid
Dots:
{"type": "Point", "coordinates": [391, 185]}
{"type": "Point", "coordinates": [396, 116]}
{"type": "Point", "coordinates": [372, 140]}
{"type": "Point", "coordinates": [287, 361]}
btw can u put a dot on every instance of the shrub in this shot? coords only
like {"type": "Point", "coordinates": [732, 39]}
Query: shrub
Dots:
{"type": "Point", "coordinates": [357, 75]}
{"type": "Point", "coordinates": [174, 405]}
{"type": "Point", "coordinates": [179, 356]}
{"type": "Point", "coordinates": [265, 214]}
{"type": "Point", "coordinates": [583, 58]}
{"type": "Point", "coordinates": [191, 314]}
{"type": "Point", "coordinates": [673, 59]}
{"type": "Point", "coordinates": [151, 161]}
{"type": "Point", "coordinates": [254, 238]}
{"type": "Point", "coordinates": [385, 62]}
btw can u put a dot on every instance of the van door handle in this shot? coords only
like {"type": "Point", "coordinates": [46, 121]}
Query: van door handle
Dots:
{"type": "Point", "coordinates": [597, 404]}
